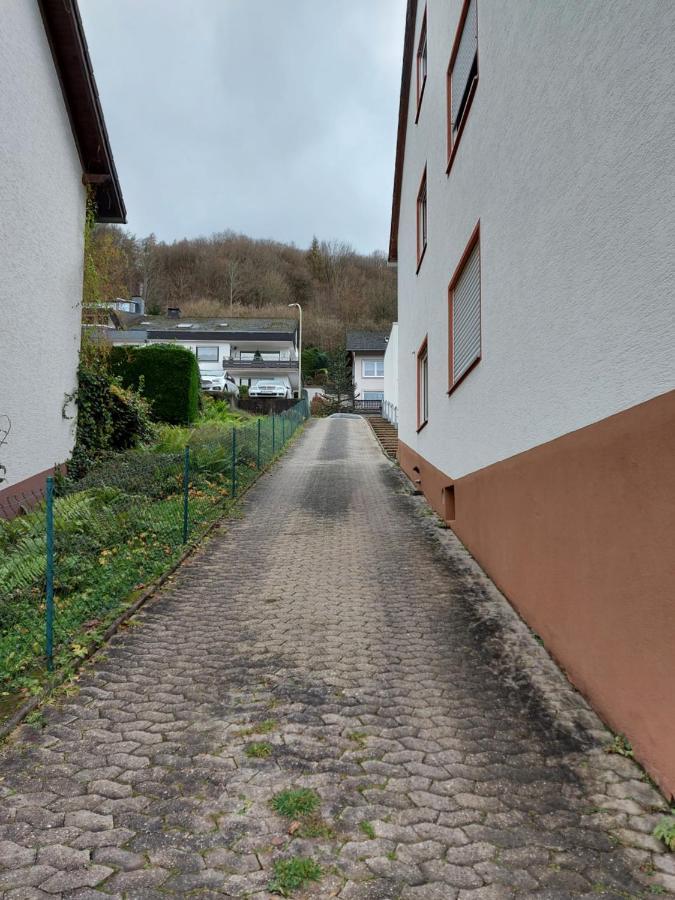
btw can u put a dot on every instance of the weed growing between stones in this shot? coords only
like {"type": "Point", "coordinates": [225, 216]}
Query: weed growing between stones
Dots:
{"type": "Point", "coordinates": [295, 803]}
{"type": "Point", "coordinates": [291, 874]}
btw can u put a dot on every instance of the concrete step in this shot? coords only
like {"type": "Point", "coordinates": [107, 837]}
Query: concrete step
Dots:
{"type": "Point", "coordinates": [386, 435]}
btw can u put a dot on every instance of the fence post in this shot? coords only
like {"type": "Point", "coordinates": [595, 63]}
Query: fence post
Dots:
{"type": "Point", "coordinates": [258, 456]}
{"type": "Point", "coordinates": [186, 495]}
{"type": "Point", "coordinates": [273, 436]}
{"type": "Point", "coordinates": [49, 585]}
{"type": "Point", "coordinates": [234, 462]}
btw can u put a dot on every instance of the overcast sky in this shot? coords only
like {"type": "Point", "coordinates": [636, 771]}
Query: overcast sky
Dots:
{"type": "Point", "coordinates": [274, 119]}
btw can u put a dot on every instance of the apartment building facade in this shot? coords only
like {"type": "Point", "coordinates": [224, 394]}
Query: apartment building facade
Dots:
{"type": "Point", "coordinates": [533, 229]}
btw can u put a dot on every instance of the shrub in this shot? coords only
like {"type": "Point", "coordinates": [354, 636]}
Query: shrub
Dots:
{"type": "Point", "coordinates": [168, 376]}
{"type": "Point", "coordinates": [243, 391]}
{"type": "Point", "coordinates": [320, 406]}
{"type": "Point", "coordinates": [109, 418]}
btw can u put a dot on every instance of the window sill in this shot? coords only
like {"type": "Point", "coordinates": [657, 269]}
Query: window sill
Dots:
{"type": "Point", "coordinates": [420, 259]}
{"type": "Point", "coordinates": [423, 425]}
{"type": "Point", "coordinates": [453, 387]}
{"type": "Point", "coordinates": [460, 130]}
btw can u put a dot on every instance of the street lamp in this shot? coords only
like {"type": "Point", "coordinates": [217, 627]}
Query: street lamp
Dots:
{"type": "Point", "coordinates": [299, 350]}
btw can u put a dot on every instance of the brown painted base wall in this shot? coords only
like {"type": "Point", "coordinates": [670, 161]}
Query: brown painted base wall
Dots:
{"type": "Point", "coordinates": [26, 494]}
{"type": "Point", "coordinates": [579, 533]}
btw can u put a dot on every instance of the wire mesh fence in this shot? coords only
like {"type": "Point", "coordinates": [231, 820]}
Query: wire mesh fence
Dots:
{"type": "Point", "coordinates": [81, 551]}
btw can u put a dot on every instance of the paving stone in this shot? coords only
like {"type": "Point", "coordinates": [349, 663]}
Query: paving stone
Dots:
{"type": "Point", "coordinates": [389, 676]}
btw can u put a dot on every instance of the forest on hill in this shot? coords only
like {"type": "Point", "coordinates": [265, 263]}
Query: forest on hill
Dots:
{"type": "Point", "coordinates": [230, 273]}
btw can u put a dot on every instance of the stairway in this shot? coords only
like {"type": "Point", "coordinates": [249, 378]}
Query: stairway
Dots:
{"type": "Point", "coordinates": [386, 434]}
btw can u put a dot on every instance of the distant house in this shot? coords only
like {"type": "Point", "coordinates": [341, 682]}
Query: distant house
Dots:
{"type": "Point", "coordinates": [366, 350]}
{"type": "Point", "coordinates": [247, 349]}
{"type": "Point", "coordinates": [53, 146]}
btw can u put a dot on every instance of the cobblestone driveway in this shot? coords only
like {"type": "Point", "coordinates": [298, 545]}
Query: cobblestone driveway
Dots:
{"type": "Point", "coordinates": [338, 624]}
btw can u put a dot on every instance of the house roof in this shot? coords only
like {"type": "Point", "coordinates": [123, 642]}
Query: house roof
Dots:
{"type": "Point", "coordinates": [374, 341]}
{"type": "Point", "coordinates": [68, 44]}
{"type": "Point", "coordinates": [191, 325]}
{"type": "Point", "coordinates": [406, 74]}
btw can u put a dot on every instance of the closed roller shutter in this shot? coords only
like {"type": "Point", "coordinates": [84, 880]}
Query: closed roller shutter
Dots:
{"type": "Point", "coordinates": [466, 316]}
{"type": "Point", "coordinates": [465, 67]}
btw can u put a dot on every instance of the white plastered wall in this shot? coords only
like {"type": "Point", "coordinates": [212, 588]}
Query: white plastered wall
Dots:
{"type": "Point", "coordinates": [42, 209]}
{"type": "Point", "coordinates": [391, 375]}
{"type": "Point", "coordinates": [362, 383]}
{"type": "Point", "coordinates": [567, 161]}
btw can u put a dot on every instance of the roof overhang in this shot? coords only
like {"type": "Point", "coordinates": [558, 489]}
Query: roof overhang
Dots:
{"type": "Point", "coordinates": [71, 57]}
{"type": "Point", "coordinates": [225, 337]}
{"type": "Point", "coordinates": [406, 74]}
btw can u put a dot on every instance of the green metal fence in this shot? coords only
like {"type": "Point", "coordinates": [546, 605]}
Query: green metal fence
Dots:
{"type": "Point", "coordinates": [89, 548]}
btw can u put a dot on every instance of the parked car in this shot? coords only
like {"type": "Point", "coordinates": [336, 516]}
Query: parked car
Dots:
{"type": "Point", "coordinates": [270, 387]}
{"type": "Point", "coordinates": [217, 381]}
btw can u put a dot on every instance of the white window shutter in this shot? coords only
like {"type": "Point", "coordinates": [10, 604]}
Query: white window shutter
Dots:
{"type": "Point", "coordinates": [466, 316]}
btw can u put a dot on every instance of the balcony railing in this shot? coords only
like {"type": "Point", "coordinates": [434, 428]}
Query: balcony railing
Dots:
{"type": "Point", "coordinates": [234, 363]}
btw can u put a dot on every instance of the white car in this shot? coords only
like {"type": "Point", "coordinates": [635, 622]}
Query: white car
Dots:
{"type": "Point", "coordinates": [216, 381]}
{"type": "Point", "coordinates": [269, 387]}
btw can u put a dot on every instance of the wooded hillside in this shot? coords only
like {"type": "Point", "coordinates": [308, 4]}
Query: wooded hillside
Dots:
{"type": "Point", "coordinates": [337, 287]}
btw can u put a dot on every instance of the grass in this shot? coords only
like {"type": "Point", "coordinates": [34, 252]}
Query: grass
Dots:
{"type": "Point", "coordinates": [296, 803]}
{"type": "Point", "coordinates": [665, 831]}
{"type": "Point", "coordinates": [292, 874]}
{"type": "Point", "coordinates": [315, 827]}
{"type": "Point", "coordinates": [367, 829]}
{"type": "Point", "coordinates": [621, 746]}
{"type": "Point", "coordinates": [259, 750]}
{"type": "Point", "coordinates": [358, 737]}
{"type": "Point", "coordinates": [258, 728]}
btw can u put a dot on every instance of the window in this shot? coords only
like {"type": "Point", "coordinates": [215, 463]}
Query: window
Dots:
{"type": "Point", "coordinates": [207, 354]}
{"type": "Point", "coordinates": [422, 219]}
{"type": "Point", "coordinates": [464, 313]}
{"type": "Point", "coordinates": [423, 385]}
{"type": "Point", "coordinates": [372, 368]}
{"type": "Point", "coordinates": [421, 64]}
{"type": "Point", "coordinates": [462, 75]}
{"type": "Point", "coordinates": [373, 395]}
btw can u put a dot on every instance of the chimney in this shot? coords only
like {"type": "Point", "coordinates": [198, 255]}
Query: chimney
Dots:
{"type": "Point", "coordinates": [173, 312]}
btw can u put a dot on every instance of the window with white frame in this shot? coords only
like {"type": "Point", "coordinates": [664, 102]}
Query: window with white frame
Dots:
{"type": "Point", "coordinates": [462, 73]}
{"type": "Point", "coordinates": [372, 368]}
{"type": "Point", "coordinates": [465, 313]}
{"type": "Point", "coordinates": [373, 395]}
{"type": "Point", "coordinates": [423, 384]}
{"type": "Point", "coordinates": [207, 354]}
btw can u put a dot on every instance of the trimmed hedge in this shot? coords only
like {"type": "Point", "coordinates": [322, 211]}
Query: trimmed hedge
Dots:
{"type": "Point", "coordinates": [166, 375]}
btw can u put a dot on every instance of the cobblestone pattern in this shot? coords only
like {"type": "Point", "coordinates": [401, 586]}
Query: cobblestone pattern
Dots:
{"type": "Point", "coordinates": [386, 670]}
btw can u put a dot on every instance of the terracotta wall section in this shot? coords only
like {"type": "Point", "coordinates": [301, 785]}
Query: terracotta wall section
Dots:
{"type": "Point", "coordinates": [579, 533]}
{"type": "Point", "coordinates": [24, 495]}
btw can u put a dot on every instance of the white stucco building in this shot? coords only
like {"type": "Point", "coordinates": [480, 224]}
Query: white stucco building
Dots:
{"type": "Point", "coordinates": [365, 350]}
{"type": "Point", "coordinates": [248, 349]}
{"type": "Point", "coordinates": [533, 227]}
{"type": "Point", "coordinates": [390, 389]}
{"type": "Point", "coordinates": [53, 143]}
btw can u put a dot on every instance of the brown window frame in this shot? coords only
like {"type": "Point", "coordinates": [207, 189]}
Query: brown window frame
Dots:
{"type": "Point", "coordinates": [422, 222]}
{"type": "Point", "coordinates": [422, 64]}
{"type": "Point", "coordinates": [473, 240]}
{"type": "Point", "coordinates": [422, 406]}
{"type": "Point", "coordinates": [454, 144]}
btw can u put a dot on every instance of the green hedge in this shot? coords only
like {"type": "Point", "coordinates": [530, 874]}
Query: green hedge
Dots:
{"type": "Point", "coordinates": [168, 377]}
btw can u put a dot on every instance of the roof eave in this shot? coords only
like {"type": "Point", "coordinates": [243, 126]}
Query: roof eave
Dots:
{"type": "Point", "coordinates": [68, 44]}
{"type": "Point", "coordinates": [406, 74]}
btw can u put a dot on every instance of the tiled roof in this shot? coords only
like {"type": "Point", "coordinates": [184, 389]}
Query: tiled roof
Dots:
{"type": "Point", "coordinates": [375, 341]}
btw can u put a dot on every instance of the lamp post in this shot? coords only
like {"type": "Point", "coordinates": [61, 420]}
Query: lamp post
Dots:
{"type": "Point", "coordinates": [299, 350]}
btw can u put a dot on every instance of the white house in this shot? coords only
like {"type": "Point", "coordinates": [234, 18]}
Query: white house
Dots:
{"type": "Point", "coordinates": [390, 389]}
{"type": "Point", "coordinates": [365, 350]}
{"type": "Point", "coordinates": [534, 231]}
{"type": "Point", "coordinates": [248, 349]}
{"type": "Point", "coordinates": [53, 143]}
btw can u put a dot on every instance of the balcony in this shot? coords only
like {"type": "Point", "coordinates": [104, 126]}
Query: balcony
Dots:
{"type": "Point", "coordinates": [233, 364]}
